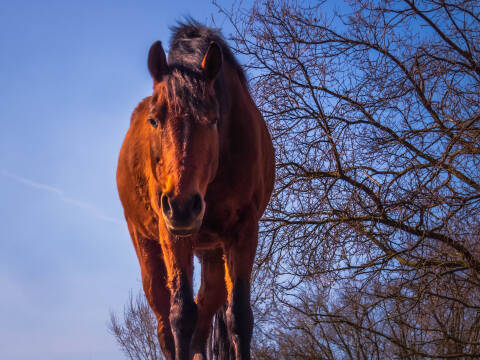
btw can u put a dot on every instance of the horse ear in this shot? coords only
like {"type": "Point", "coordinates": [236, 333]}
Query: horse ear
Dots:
{"type": "Point", "coordinates": [212, 61]}
{"type": "Point", "coordinates": [157, 62]}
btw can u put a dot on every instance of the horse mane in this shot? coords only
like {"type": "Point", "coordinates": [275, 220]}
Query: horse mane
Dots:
{"type": "Point", "coordinates": [190, 41]}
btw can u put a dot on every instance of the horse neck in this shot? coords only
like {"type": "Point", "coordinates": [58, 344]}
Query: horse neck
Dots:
{"type": "Point", "coordinates": [231, 93]}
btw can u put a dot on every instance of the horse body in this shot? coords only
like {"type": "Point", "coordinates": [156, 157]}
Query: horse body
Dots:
{"type": "Point", "coordinates": [195, 174]}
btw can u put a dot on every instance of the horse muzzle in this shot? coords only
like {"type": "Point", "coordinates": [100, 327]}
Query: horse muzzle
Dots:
{"type": "Point", "coordinates": [183, 217]}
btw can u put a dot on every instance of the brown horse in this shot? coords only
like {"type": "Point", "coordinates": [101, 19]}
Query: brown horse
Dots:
{"type": "Point", "coordinates": [195, 174]}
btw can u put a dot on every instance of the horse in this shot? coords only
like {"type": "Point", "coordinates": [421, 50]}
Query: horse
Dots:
{"type": "Point", "coordinates": [194, 176]}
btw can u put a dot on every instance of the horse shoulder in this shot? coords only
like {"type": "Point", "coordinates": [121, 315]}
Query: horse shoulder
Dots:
{"type": "Point", "coordinates": [131, 182]}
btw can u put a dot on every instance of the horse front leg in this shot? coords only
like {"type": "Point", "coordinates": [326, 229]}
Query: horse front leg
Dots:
{"type": "Point", "coordinates": [240, 256]}
{"type": "Point", "coordinates": [183, 310]}
{"type": "Point", "coordinates": [154, 280]}
{"type": "Point", "coordinates": [183, 314]}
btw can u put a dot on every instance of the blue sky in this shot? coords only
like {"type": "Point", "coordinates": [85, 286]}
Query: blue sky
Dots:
{"type": "Point", "coordinates": [71, 72]}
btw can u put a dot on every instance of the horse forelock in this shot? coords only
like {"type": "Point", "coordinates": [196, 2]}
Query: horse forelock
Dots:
{"type": "Point", "coordinates": [185, 96]}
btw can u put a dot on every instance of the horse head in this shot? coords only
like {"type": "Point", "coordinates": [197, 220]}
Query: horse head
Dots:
{"type": "Point", "coordinates": [183, 138]}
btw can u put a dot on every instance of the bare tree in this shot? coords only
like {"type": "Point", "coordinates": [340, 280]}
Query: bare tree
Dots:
{"type": "Point", "coordinates": [137, 332]}
{"type": "Point", "coordinates": [371, 246]}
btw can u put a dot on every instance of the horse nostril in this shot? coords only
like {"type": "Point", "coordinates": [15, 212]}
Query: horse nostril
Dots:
{"type": "Point", "coordinates": [196, 204]}
{"type": "Point", "coordinates": [166, 208]}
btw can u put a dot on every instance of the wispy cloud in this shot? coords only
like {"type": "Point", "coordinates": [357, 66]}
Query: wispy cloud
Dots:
{"type": "Point", "coordinates": [61, 194]}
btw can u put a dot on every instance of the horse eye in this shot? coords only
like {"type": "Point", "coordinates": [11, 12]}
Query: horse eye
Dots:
{"type": "Point", "coordinates": [214, 121]}
{"type": "Point", "coordinates": [153, 121]}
